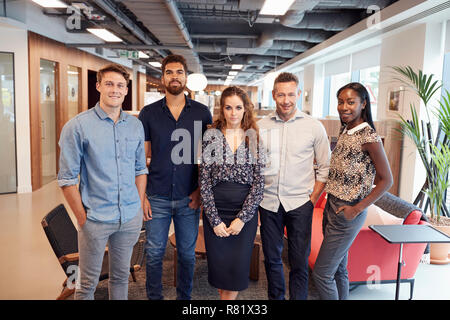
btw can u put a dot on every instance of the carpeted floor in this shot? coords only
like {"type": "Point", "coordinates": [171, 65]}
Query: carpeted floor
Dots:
{"type": "Point", "coordinates": [257, 290]}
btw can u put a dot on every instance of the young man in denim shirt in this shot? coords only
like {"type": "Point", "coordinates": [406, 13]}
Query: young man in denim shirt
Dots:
{"type": "Point", "coordinates": [105, 147]}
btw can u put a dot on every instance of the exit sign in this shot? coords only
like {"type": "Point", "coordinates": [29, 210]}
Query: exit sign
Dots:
{"type": "Point", "coordinates": [129, 54]}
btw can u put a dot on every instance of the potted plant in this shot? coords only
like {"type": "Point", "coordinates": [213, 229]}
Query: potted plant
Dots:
{"type": "Point", "coordinates": [433, 149]}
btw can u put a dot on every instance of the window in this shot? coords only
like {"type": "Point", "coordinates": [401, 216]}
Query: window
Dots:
{"type": "Point", "coordinates": [332, 85]}
{"type": "Point", "coordinates": [446, 86]}
{"type": "Point", "coordinates": [369, 78]}
{"type": "Point", "coordinates": [8, 179]}
{"type": "Point", "coordinates": [446, 75]}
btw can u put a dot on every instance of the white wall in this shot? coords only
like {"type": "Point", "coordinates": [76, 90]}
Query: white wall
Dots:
{"type": "Point", "coordinates": [308, 86]}
{"type": "Point", "coordinates": [396, 51]}
{"type": "Point", "coordinates": [14, 38]}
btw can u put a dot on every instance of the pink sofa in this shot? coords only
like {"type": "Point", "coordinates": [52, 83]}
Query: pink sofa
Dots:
{"type": "Point", "coordinates": [370, 257]}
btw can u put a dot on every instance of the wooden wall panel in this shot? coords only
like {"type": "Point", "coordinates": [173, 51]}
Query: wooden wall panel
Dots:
{"type": "Point", "coordinates": [40, 47]}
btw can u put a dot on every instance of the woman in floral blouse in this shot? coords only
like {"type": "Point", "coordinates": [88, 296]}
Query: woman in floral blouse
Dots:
{"type": "Point", "coordinates": [231, 188]}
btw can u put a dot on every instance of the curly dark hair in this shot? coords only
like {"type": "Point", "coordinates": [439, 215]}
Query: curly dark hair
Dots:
{"type": "Point", "coordinates": [363, 94]}
{"type": "Point", "coordinates": [171, 59]}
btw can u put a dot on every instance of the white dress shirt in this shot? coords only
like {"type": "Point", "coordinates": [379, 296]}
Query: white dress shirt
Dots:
{"type": "Point", "coordinates": [292, 147]}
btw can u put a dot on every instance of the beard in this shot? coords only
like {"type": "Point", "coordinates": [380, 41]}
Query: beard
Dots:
{"type": "Point", "coordinates": [175, 90]}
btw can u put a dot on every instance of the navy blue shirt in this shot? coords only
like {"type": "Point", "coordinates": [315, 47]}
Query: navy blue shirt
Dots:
{"type": "Point", "coordinates": [173, 171]}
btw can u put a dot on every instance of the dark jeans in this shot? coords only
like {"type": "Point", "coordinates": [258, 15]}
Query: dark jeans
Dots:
{"type": "Point", "coordinates": [298, 225]}
{"type": "Point", "coordinates": [185, 221]}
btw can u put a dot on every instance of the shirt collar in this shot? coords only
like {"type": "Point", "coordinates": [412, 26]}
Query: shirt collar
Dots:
{"type": "Point", "coordinates": [357, 128]}
{"type": "Point", "coordinates": [298, 114]}
{"type": "Point", "coordinates": [103, 115]}
{"type": "Point", "coordinates": [186, 104]}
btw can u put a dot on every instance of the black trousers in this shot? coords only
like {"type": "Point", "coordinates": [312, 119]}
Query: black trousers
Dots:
{"type": "Point", "coordinates": [298, 225]}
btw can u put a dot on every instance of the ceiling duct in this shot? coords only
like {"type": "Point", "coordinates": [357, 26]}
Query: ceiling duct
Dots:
{"type": "Point", "coordinates": [325, 21]}
{"type": "Point", "coordinates": [164, 20]}
{"type": "Point", "coordinates": [353, 4]}
{"type": "Point", "coordinates": [283, 33]}
{"type": "Point", "coordinates": [297, 11]}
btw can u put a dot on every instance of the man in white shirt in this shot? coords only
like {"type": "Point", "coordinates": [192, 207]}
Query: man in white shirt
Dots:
{"type": "Point", "coordinates": [293, 184]}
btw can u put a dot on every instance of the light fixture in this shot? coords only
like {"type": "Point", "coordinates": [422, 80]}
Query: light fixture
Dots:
{"type": "Point", "coordinates": [237, 66]}
{"type": "Point", "coordinates": [233, 73]}
{"type": "Point", "coordinates": [275, 7]}
{"type": "Point", "coordinates": [142, 55]}
{"type": "Point", "coordinates": [155, 64]}
{"type": "Point", "coordinates": [196, 82]}
{"type": "Point", "coordinates": [51, 3]}
{"type": "Point", "coordinates": [104, 35]}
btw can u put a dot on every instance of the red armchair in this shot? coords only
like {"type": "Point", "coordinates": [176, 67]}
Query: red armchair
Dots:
{"type": "Point", "coordinates": [371, 259]}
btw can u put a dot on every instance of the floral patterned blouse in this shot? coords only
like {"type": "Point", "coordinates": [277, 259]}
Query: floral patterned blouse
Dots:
{"type": "Point", "coordinates": [220, 164]}
{"type": "Point", "coordinates": [352, 171]}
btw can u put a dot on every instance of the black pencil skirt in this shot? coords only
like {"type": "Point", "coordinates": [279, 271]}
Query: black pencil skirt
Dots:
{"type": "Point", "coordinates": [229, 257]}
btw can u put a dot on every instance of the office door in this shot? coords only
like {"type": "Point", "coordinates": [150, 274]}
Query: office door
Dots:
{"type": "Point", "coordinates": [47, 99]}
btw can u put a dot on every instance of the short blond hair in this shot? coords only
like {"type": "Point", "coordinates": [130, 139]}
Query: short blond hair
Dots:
{"type": "Point", "coordinates": [113, 67]}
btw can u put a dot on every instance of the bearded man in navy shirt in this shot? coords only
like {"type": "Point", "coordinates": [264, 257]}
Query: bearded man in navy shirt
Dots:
{"type": "Point", "coordinates": [173, 127]}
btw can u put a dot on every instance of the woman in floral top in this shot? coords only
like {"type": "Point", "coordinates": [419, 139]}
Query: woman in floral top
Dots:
{"type": "Point", "coordinates": [231, 188]}
{"type": "Point", "coordinates": [357, 162]}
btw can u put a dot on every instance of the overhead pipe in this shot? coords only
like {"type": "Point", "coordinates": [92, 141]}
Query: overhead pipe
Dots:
{"type": "Point", "coordinates": [179, 21]}
{"type": "Point", "coordinates": [173, 9]}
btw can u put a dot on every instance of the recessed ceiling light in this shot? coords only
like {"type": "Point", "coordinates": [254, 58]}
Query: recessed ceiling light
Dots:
{"type": "Point", "coordinates": [155, 64]}
{"type": "Point", "coordinates": [233, 73]}
{"type": "Point", "coordinates": [104, 35]}
{"type": "Point", "coordinates": [142, 55]}
{"type": "Point", "coordinates": [275, 7]}
{"type": "Point", "coordinates": [237, 66]}
{"type": "Point", "coordinates": [51, 3]}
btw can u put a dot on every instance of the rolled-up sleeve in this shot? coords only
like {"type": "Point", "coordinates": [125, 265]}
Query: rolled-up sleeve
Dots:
{"type": "Point", "coordinates": [322, 153]}
{"type": "Point", "coordinates": [141, 163]}
{"type": "Point", "coordinates": [71, 152]}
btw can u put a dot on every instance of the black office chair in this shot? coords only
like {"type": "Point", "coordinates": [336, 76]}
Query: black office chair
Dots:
{"type": "Point", "coordinates": [63, 238]}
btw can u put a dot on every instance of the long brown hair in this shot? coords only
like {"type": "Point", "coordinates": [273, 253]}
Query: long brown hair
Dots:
{"type": "Point", "coordinates": [248, 121]}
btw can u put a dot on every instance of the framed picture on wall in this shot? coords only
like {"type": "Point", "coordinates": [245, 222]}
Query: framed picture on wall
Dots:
{"type": "Point", "coordinates": [395, 99]}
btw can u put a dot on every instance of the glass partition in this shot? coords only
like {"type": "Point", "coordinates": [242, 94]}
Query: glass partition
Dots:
{"type": "Point", "coordinates": [48, 119]}
{"type": "Point", "coordinates": [8, 172]}
{"type": "Point", "coordinates": [73, 76]}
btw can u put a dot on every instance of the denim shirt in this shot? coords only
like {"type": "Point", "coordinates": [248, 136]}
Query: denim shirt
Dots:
{"type": "Point", "coordinates": [107, 156]}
